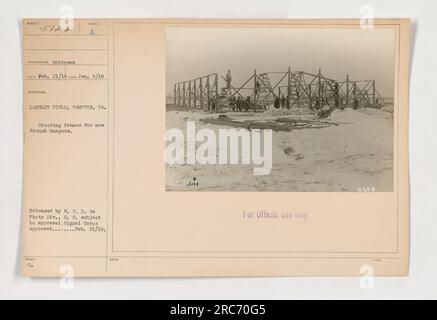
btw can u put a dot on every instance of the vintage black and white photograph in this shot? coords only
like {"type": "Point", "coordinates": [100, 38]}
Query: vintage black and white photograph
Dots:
{"type": "Point", "coordinates": [302, 109]}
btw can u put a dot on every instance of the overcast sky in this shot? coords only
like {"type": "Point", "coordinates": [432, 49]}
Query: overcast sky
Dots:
{"type": "Point", "coordinates": [363, 54]}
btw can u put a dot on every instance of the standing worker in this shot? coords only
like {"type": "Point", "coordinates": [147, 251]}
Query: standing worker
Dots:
{"type": "Point", "coordinates": [213, 104]}
{"type": "Point", "coordinates": [337, 95]}
{"type": "Point", "coordinates": [247, 104]}
{"type": "Point", "coordinates": [257, 87]}
{"type": "Point", "coordinates": [277, 102]}
{"type": "Point", "coordinates": [228, 79]}
{"type": "Point", "coordinates": [239, 108]}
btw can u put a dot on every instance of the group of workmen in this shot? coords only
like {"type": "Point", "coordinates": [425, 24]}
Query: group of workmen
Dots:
{"type": "Point", "coordinates": [241, 104]}
{"type": "Point", "coordinates": [281, 102]}
{"type": "Point", "coordinates": [245, 104]}
{"type": "Point", "coordinates": [237, 104]}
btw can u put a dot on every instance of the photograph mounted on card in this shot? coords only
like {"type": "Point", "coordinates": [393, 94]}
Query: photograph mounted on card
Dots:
{"type": "Point", "coordinates": [213, 148]}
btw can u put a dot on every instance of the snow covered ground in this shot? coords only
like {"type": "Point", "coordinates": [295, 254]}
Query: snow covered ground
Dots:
{"type": "Point", "coordinates": [355, 155]}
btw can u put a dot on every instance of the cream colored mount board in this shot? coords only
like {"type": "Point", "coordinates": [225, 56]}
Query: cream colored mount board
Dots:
{"type": "Point", "coordinates": [215, 148]}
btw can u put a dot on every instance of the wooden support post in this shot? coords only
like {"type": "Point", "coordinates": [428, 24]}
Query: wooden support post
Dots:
{"type": "Point", "coordinates": [179, 94]}
{"type": "Point", "coordinates": [201, 94]}
{"type": "Point", "coordinates": [189, 94]}
{"type": "Point", "coordinates": [254, 90]}
{"type": "Point", "coordinates": [309, 93]}
{"type": "Point", "coordinates": [174, 95]}
{"type": "Point", "coordinates": [347, 91]}
{"type": "Point", "coordinates": [195, 94]}
{"type": "Point", "coordinates": [374, 92]}
{"type": "Point", "coordinates": [208, 104]}
{"type": "Point", "coordinates": [216, 92]}
{"type": "Point", "coordinates": [289, 87]}
{"type": "Point", "coordinates": [216, 86]}
{"type": "Point", "coordinates": [320, 89]}
{"type": "Point", "coordinates": [354, 91]}
{"type": "Point", "coordinates": [299, 80]}
{"type": "Point", "coordinates": [183, 95]}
